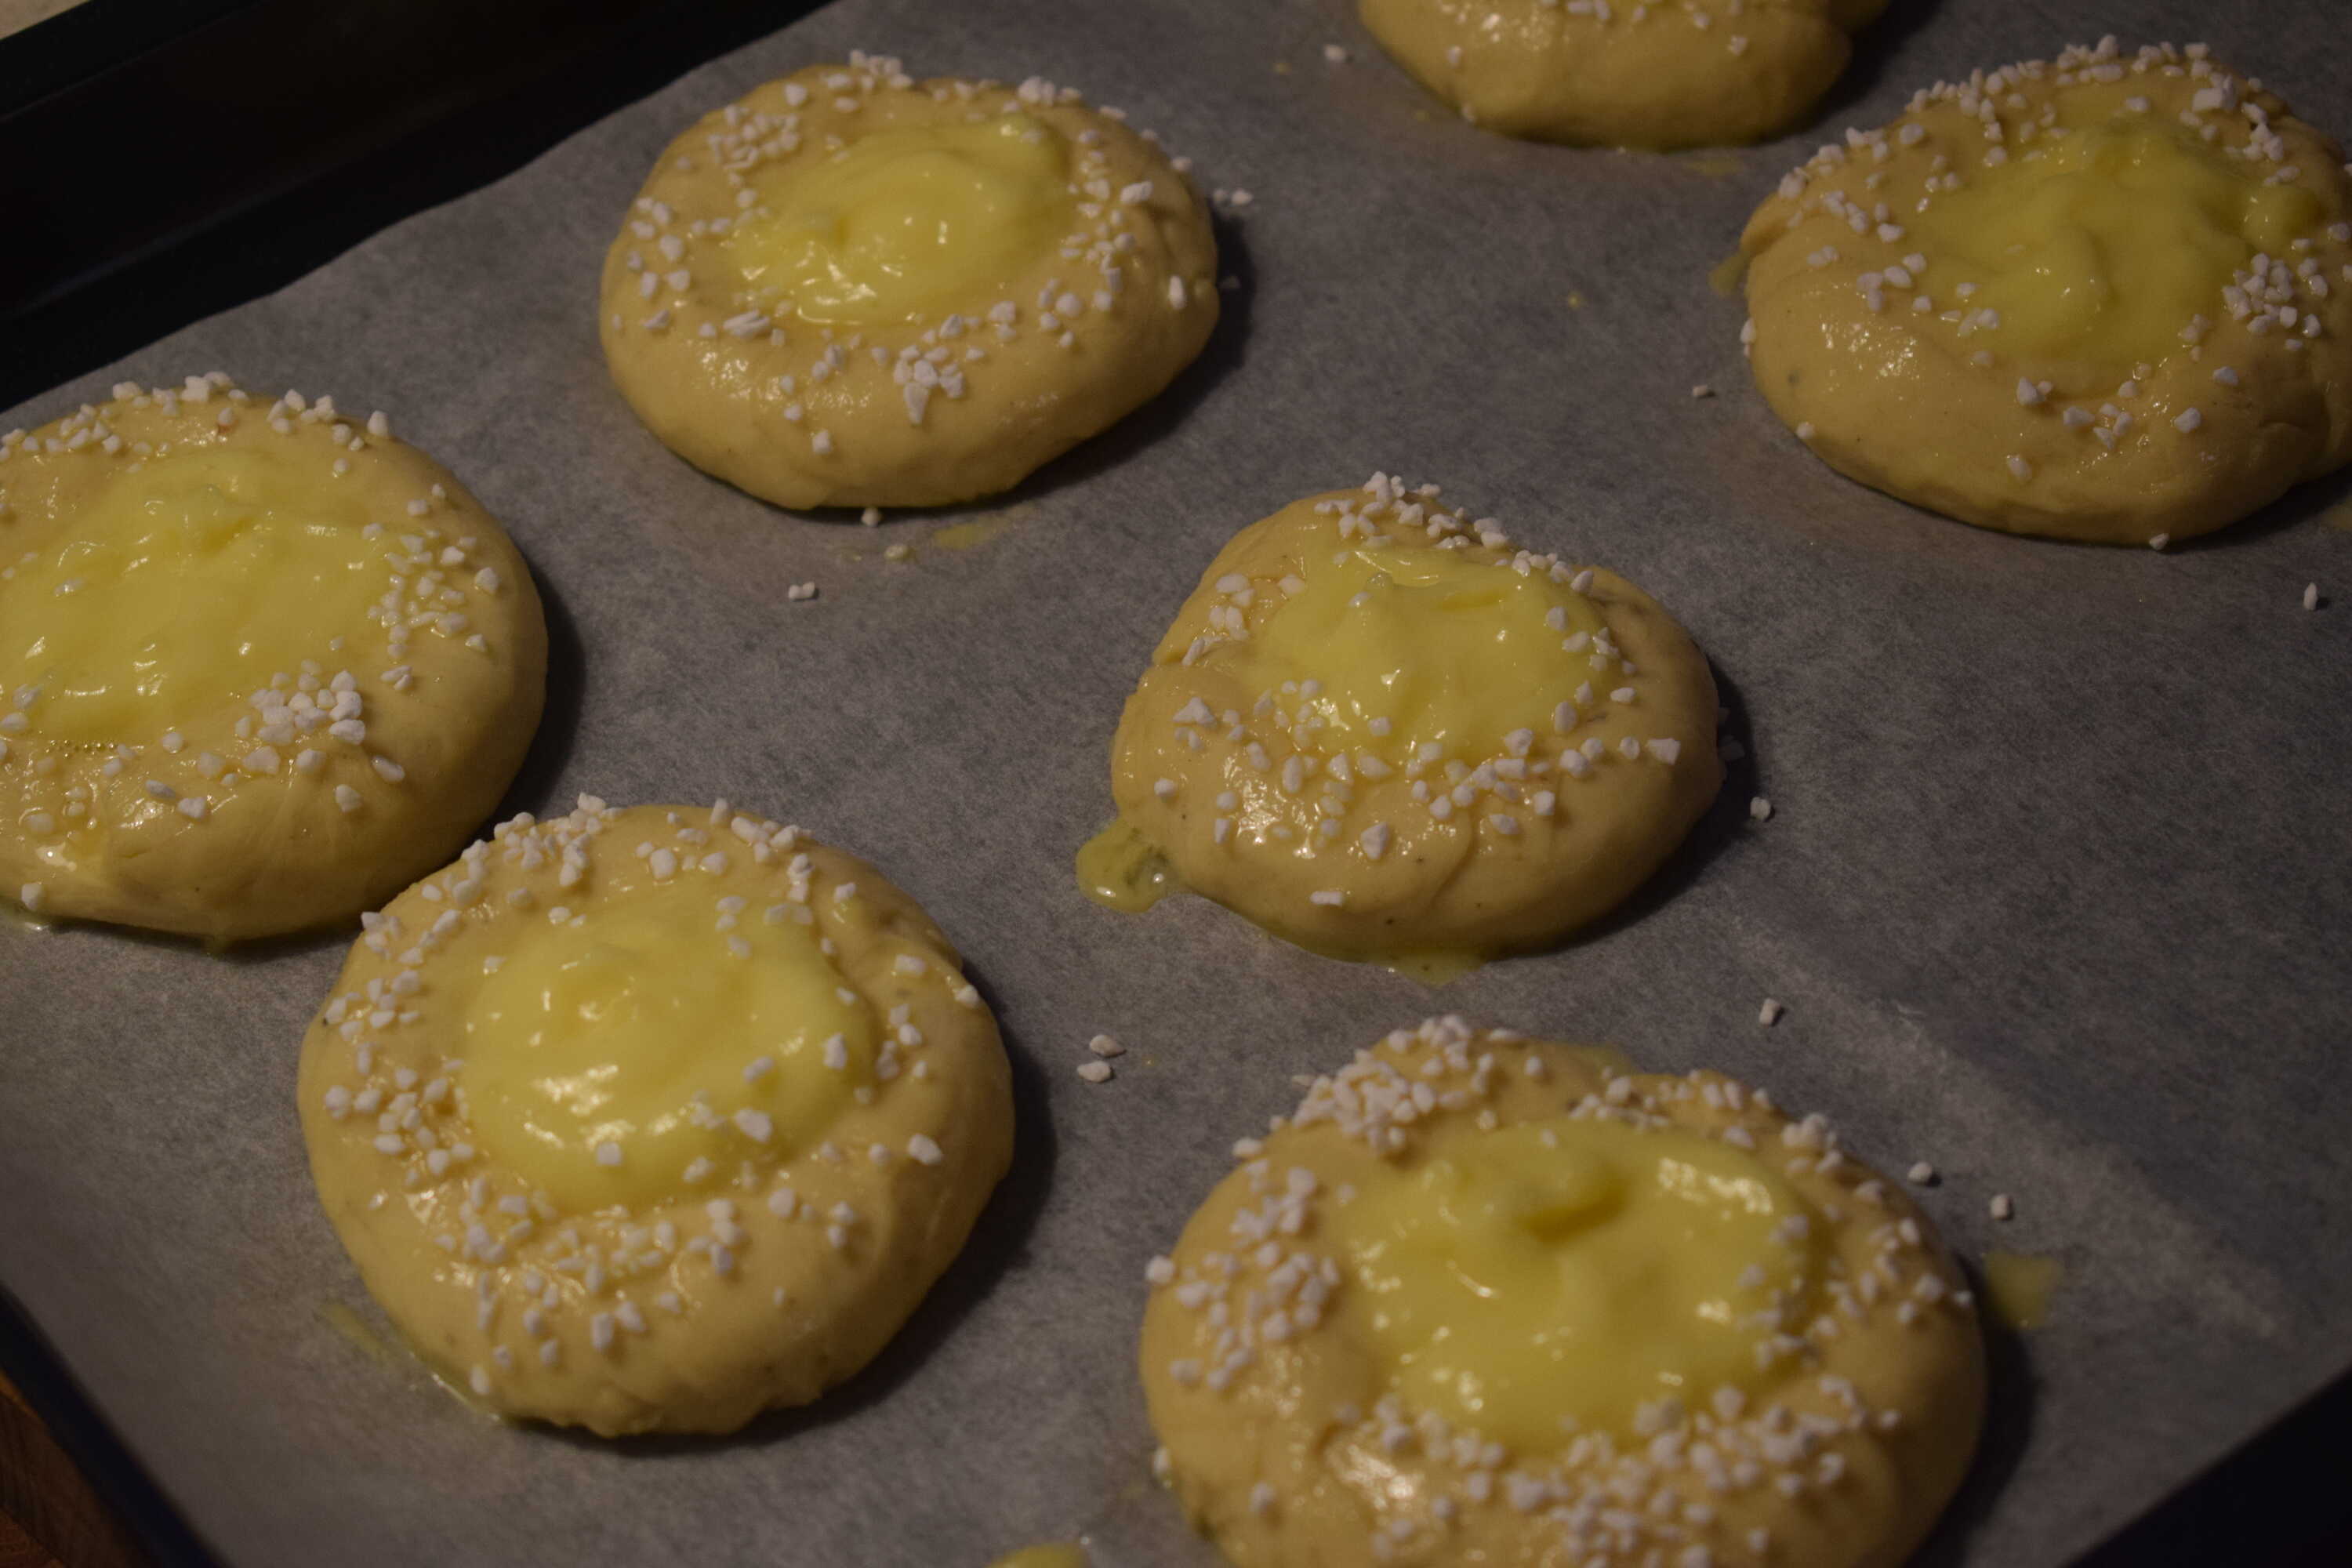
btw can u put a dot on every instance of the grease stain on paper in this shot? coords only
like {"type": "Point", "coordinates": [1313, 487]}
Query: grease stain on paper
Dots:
{"type": "Point", "coordinates": [2020, 1285]}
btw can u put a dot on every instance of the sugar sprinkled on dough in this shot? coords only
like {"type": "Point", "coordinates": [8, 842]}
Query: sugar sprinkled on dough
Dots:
{"type": "Point", "coordinates": [2271, 307]}
{"type": "Point", "coordinates": [1226, 1297]}
{"type": "Point", "coordinates": [373, 1070]}
{"type": "Point", "coordinates": [1326, 809]}
{"type": "Point", "coordinates": [1124, 233]}
{"type": "Point", "coordinates": [332, 712]}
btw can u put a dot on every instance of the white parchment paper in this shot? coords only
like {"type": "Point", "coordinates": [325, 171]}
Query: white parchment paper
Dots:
{"type": "Point", "coordinates": [2055, 890]}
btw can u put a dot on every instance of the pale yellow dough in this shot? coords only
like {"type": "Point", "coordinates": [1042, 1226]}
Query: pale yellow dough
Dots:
{"type": "Point", "coordinates": [1293, 1398]}
{"type": "Point", "coordinates": [1568, 761]}
{"type": "Point", "coordinates": [772, 1206]}
{"type": "Point", "coordinates": [1077, 277]}
{"type": "Point", "coordinates": [261, 663]}
{"type": "Point", "coordinates": [1619, 73]}
{"type": "Point", "coordinates": [2107, 298]}
{"type": "Point", "coordinates": [1052, 1554]}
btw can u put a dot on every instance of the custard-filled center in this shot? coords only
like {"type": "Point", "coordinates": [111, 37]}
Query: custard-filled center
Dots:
{"type": "Point", "coordinates": [1573, 1269]}
{"type": "Point", "coordinates": [910, 222]}
{"type": "Point", "coordinates": [1390, 650]}
{"type": "Point", "coordinates": [2106, 241]}
{"type": "Point", "coordinates": [183, 584]}
{"type": "Point", "coordinates": [603, 1060]}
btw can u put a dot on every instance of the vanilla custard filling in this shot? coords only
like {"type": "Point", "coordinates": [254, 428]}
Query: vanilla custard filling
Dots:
{"type": "Point", "coordinates": [1367, 715]}
{"type": "Point", "coordinates": [187, 585]}
{"type": "Point", "coordinates": [2104, 242]}
{"type": "Point", "coordinates": [1121, 869]}
{"type": "Point", "coordinates": [1557, 1276]}
{"type": "Point", "coordinates": [904, 223]}
{"type": "Point", "coordinates": [1392, 661]}
{"type": "Point", "coordinates": [1400, 654]}
{"type": "Point", "coordinates": [611, 1055]}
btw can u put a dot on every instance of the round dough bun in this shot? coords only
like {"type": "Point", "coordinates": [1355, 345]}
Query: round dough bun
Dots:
{"type": "Point", "coordinates": [650, 1120]}
{"type": "Point", "coordinates": [260, 664]}
{"type": "Point", "coordinates": [1619, 73]}
{"type": "Point", "coordinates": [1078, 275]}
{"type": "Point", "coordinates": [1291, 1428]}
{"type": "Point", "coordinates": [1895, 327]}
{"type": "Point", "coordinates": [1573, 722]}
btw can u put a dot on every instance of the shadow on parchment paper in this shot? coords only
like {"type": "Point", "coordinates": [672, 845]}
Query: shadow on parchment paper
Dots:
{"type": "Point", "coordinates": [2008, 1422]}
{"type": "Point", "coordinates": [998, 1240]}
{"type": "Point", "coordinates": [559, 720]}
{"type": "Point", "coordinates": [2307, 502]}
{"type": "Point", "coordinates": [1874, 47]}
{"type": "Point", "coordinates": [1227, 347]}
{"type": "Point", "coordinates": [1743, 780]}
{"type": "Point", "coordinates": [1788, 487]}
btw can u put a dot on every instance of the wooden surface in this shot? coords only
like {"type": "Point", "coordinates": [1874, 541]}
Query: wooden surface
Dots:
{"type": "Point", "coordinates": [18, 1550]}
{"type": "Point", "coordinates": [49, 1516]}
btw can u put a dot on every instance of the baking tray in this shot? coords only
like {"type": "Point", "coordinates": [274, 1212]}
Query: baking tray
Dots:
{"type": "Point", "coordinates": [2047, 892]}
{"type": "Point", "coordinates": [306, 128]}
